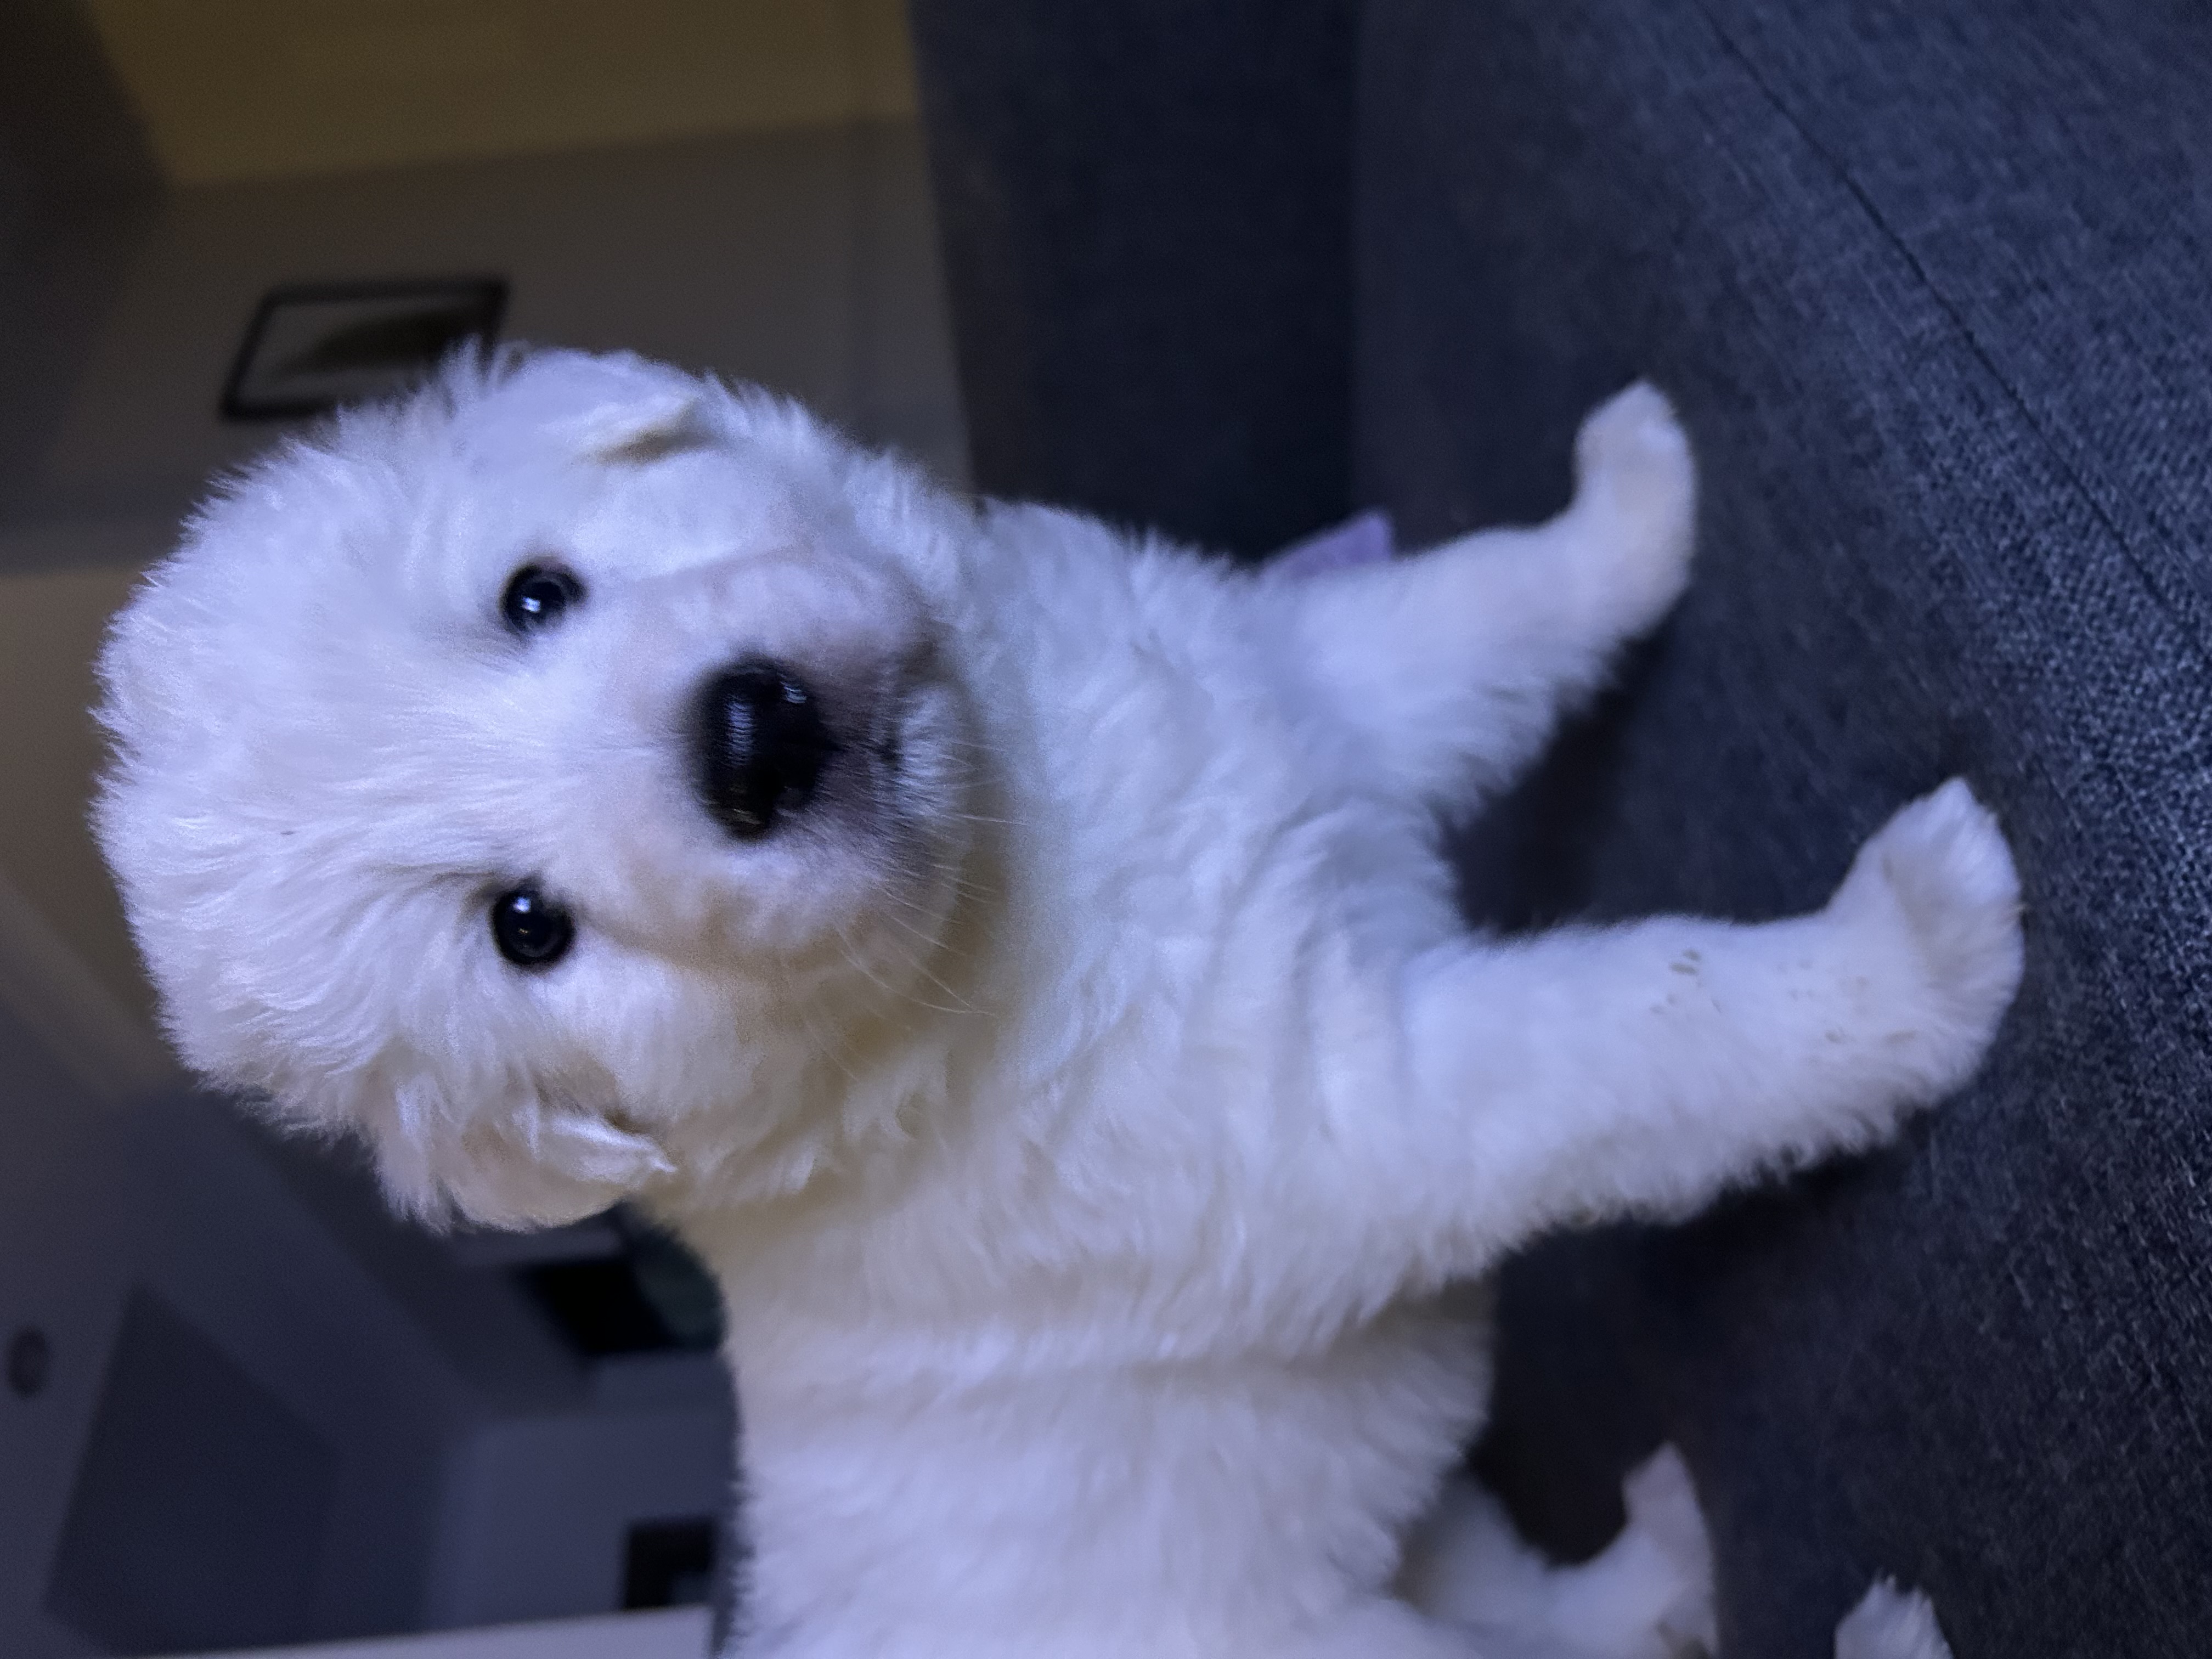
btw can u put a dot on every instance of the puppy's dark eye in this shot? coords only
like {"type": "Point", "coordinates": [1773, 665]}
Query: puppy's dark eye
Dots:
{"type": "Point", "coordinates": [529, 929]}
{"type": "Point", "coordinates": [536, 594]}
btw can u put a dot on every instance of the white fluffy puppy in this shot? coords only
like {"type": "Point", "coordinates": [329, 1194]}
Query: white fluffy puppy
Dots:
{"type": "Point", "coordinates": [1017, 956]}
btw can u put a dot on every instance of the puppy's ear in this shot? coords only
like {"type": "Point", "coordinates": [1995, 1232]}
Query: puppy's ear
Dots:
{"type": "Point", "coordinates": [631, 434]}
{"type": "Point", "coordinates": [571, 1164]}
{"type": "Point", "coordinates": [536, 1165]}
{"type": "Point", "coordinates": [615, 407]}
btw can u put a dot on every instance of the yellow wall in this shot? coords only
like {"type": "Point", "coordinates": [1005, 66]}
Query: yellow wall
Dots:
{"type": "Point", "coordinates": [237, 89]}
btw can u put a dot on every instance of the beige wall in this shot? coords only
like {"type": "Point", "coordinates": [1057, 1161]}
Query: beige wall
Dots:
{"type": "Point", "coordinates": [51, 626]}
{"type": "Point", "coordinates": [237, 89]}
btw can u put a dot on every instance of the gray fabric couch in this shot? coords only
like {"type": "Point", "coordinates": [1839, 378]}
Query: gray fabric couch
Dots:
{"type": "Point", "coordinates": [1932, 285]}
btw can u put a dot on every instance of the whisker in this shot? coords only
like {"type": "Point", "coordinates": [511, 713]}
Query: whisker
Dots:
{"type": "Point", "coordinates": [852, 957]}
{"type": "Point", "coordinates": [920, 966]}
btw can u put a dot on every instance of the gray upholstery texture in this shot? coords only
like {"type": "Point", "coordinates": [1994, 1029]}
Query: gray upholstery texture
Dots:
{"type": "Point", "coordinates": [1175, 199]}
{"type": "Point", "coordinates": [1931, 283]}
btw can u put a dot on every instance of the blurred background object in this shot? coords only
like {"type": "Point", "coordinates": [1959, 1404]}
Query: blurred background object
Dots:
{"type": "Point", "coordinates": [243, 1406]}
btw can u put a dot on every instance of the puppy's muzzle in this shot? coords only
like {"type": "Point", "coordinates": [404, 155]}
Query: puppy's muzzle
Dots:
{"type": "Point", "coordinates": [762, 746]}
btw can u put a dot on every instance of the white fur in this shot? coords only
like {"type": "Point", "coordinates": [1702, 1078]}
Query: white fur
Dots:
{"type": "Point", "coordinates": [1099, 1118]}
{"type": "Point", "coordinates": [1891, 1624]}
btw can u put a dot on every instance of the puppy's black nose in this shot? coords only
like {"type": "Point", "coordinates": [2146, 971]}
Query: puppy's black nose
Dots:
{"type": "Point", "coordinates": [762, 746]}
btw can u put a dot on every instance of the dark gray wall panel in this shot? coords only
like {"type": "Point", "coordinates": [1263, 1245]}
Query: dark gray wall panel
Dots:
{"type": "Point", "coordinates": [200, 1505]}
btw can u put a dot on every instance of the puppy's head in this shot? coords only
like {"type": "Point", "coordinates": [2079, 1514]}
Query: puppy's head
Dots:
{"type": "Point", "coordinates": [547, 776]}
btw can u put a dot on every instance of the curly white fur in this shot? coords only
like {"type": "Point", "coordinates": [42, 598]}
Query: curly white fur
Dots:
{"type": "Point", "coordinates": [1097, 1116]}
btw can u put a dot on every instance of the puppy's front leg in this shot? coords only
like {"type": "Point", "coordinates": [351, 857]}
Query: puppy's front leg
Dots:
{"type": "Point", "coordinates": [1639, 1070]}
{"type": "Point", "coordinates": [1454, 663]}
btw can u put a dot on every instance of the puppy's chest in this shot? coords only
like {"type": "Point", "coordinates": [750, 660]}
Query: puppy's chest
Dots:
{"type": "Point", "coordinates": [1157, 1236]}
{"type": "Point", "coordinates": [1097, 1318]}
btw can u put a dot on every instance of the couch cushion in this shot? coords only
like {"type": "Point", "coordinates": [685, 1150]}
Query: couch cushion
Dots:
{"type": "Point", "coordinates": [1932, 284]}
{"type": "Point", "coordinates": [1147, 211]}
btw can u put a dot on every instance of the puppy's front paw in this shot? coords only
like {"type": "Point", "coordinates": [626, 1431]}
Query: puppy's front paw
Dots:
{"type": "Point", "coordinates": [1635, 477]}
{"type": "Point", "coordinates": [1939, 877]}
{"type": "Point", "coordinates": [1889, 1623]}
{"type": "Point", "coordinates": [1662, 1502]}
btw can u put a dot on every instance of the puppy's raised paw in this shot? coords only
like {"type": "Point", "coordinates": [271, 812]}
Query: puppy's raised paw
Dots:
{"type": "Point", "coordinates": [1662, 1502]}
{"type": "Point", "coordinates": [1634, 472]}
{"type": "Point", "coordinates": [1939, 874]}
{"type": "Point", "coordinates": [1889, 1623]}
